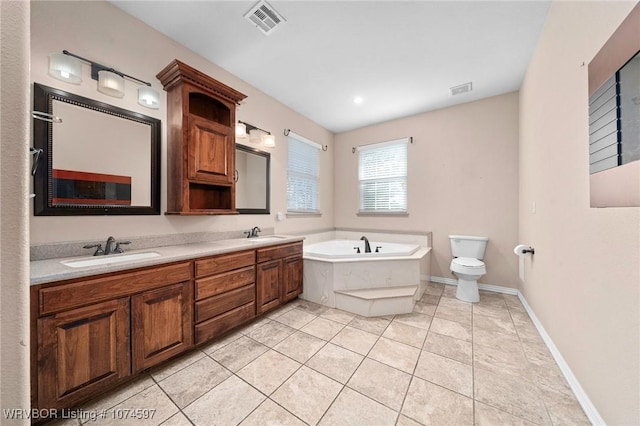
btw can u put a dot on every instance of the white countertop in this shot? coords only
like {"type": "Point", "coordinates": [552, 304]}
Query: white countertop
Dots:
{"type": "Point", "coordinates": [51, 270]}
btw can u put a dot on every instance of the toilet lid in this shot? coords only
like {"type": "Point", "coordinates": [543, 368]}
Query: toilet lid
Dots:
{"type": "Point", "coordinates": [468, 261]}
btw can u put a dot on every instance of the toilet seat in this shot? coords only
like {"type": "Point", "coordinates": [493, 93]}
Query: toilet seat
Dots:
{"type": "Point", "coordinates": [468, 265]}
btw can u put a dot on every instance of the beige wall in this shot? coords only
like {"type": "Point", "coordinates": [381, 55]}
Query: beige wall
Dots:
{"type": "Point", "coordinates": [462, 179]}
{"type": "Point", "coordinates": [101, 32]}
{"type": "Point", "coordinates": [14, 232]}
{"type": "Point", "coordinates": [584, 281]}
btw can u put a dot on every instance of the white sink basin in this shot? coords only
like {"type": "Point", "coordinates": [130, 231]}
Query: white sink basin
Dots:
{"type": "Point", "coordinates": [109, 259]}
{"type": "Point", "coordinates": [265, 239]}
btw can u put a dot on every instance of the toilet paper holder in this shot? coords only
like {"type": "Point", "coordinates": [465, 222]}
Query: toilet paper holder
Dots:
{"type": "Point", "coordinates": [522, 249]}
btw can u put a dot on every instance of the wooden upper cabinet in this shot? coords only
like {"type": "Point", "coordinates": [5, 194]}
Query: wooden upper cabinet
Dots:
{"type": "Point", "coordinates": [201, 115]}
{"type": "Point", "coordinates": [209, 156]}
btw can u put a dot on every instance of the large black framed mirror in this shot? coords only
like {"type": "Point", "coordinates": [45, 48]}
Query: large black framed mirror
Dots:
{"type": "Point", "coordinates": [252, 178]}
{"type": "Point", "coordinates": [98, 160]}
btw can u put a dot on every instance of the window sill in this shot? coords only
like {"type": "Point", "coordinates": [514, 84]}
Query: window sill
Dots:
{"type": "Point", "coordinates": [303, 214]}
{"type": "Point", "coordinates": [389, 213]}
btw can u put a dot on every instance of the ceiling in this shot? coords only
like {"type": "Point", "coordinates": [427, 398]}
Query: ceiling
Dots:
{"type": "Point", "coordinates": [400, 57]}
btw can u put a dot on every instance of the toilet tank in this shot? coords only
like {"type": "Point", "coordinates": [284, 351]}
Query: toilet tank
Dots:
{"type": "Point", "coordinates": [468, 246]}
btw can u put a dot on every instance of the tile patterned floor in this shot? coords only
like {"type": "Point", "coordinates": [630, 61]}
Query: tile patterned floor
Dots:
{"type": "Point", "coordinates": [447, 363]}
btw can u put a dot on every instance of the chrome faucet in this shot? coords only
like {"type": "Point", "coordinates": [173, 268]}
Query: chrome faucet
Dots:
{"type": "Point", "coordinates": [119, 249]}
{"type": "Point", "coordinates": [107, 246]}
{"type": "Point", "coordinates": [98, 247]}
{"type": "Point", "coordinates": [253, 232]}
{"type": "Point", "coordinates": [367, 247]}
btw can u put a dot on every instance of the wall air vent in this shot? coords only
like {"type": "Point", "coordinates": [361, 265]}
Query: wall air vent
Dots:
{"type": "Point", "coordinates": [463, 88]}
{"type": "Point", "coordinates": [265, 17]}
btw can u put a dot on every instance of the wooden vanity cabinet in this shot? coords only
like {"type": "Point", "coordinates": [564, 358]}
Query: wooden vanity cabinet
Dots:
{"type": "Point", "coordinates": [278, 275]}
{"type": "Point", "coordinates": [161, 324]}
{"type": "Point", "coordinates": [292, 285]}
{"type": "Point", "coordinates": [201, 141]}
{"type": "Point", "coordinates": [91, 334]}
{"type": "Point", "coordinates": [225, 293]}
{"type": "Point", "coordinates": [82, 351]}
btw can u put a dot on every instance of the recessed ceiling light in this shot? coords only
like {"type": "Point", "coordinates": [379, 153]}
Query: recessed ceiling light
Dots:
{"type": "Point", "coordinates": [357, 100]}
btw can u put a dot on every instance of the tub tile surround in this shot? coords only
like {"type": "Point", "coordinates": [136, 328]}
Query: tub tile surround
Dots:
{"type": "Point", "coordinates": [412, 369]}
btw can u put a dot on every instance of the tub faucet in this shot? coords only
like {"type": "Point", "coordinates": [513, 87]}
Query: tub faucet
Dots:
{"type": "Point", "coordinates": [367, 247]}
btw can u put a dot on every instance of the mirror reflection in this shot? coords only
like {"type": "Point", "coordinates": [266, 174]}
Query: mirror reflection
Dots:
{"type": "Point", "coordinates": [94, 169]}
{"type": "Point", "coordinates": [99, 160]}
{"type": "Point", "coordinates": [252, 180]}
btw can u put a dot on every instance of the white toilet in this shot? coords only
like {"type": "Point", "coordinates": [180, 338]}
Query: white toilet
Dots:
{"type": "Point", "coordinates": [467, 264]}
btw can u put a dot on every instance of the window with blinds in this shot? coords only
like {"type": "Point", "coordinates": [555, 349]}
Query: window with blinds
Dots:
{"type": "Point", "coordinates": [614, 127]}
{"type": "Point", "coordinates": [303, 174]}
{"type": "Point", "coordinates": [382, 172]}
{"type": "Point", "coordinates": [603, 127]}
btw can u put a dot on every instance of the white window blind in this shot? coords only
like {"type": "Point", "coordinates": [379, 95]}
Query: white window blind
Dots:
{"type": "Point", "coordinates": [303, 173]}
{"type": "Point", "coordinates": [614, 128]}
{"type": "Point", "coordinates": [603, 127]}
{"type": "Point", "coordinates": [382, 171]}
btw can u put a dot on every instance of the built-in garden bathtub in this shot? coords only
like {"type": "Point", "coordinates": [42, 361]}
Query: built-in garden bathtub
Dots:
{"type": "Point", "coordinates": [378, 283]}
{"type": "Point", "coordinates": [355, 250]}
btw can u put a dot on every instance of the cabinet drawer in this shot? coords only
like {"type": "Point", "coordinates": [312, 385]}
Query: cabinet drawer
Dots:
{"type": "Point", "coordinates": [217, 305]}
{"type": "Point", "coordinates": [224, 263]}
{"type": "Point", "coordinates": [217, 284]}
{"type": "Point", "coordinates": [56, 298]}
{"type": "Point", "coordinates": [218, 325]}
{"type": "Point", "coordinates": [279, 252]}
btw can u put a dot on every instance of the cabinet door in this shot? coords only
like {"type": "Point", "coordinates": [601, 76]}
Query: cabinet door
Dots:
{"type": "Point", "coordinates": [292, 277]}
{"type": "Point", "coordinates": [162, 322]}
{"type": "Point", "coordinates": [268, 282]}
{"type": "Point", "coordinates": [82, 352]}
{"type": "Point", "coordinates": [211, 151]}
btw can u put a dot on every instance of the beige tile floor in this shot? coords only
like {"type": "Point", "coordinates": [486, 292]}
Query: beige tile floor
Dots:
{"type": "Point", "coordinates": [447, 363]}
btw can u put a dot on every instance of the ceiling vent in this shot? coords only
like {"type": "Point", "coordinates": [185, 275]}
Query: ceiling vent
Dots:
{"type": "Point", "coordinates": [265, 17]}
{"type": "Point", "coordinates": [463, 88]}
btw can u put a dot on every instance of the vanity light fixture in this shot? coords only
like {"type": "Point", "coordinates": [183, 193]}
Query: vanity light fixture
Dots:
{"type": "Point", "coordinates": [241, 129]}
{"type": "Point", "coordinates": [110, 84]}
{"type": "Point", "coordinates": [269, 141]}
{"type": "Point", "coordinates": [67, 67]}
{"type": "Point", "coordinates": [148, 97]}
{"type": "Point", "coordinates": [257, 135]}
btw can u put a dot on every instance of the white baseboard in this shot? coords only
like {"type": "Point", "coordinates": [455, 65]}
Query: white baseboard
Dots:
{"type": "Point", "coordinates": [487, 287]}
{"type": "Point", "coordinates": [440, 280]}
{"type": "Point", "coordinates": [582, 397]}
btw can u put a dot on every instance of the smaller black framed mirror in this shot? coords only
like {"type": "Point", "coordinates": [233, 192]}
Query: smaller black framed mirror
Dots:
{"type": "Point", "coordinates": [252, 176]}
{"type": "Point", "coordinates": [97, 159]}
